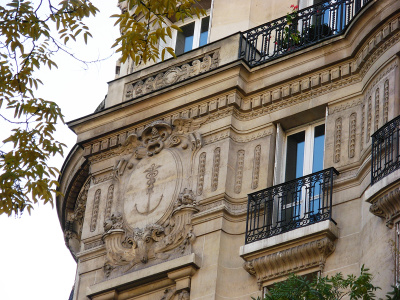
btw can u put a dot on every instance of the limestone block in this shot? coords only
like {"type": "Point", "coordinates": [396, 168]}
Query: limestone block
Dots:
{"type": "Point", "coordinates": [325, 77]}
{"type": "Point", "coordinates": [185, 114]}
{"type": "Point", "coordinates": [385, 31]}
{"type": "Point", "coordinates": [88, 150]}
{"type": "Point", "coordinates": [371, 45]}
{"type": "Point", "coordinates": [234, 99]}
{"type": "Point", "coordinates": [286, 91]}
{"type": "Point", "coordinates": [213, 106]}
{"type": "Point", "coordinates": [345, 70]}
{"type": "Point", "coordinates": [122, 138]}
{"type": "Point", "coordinates": [394, 25]}
{"type": "Point", "coordinates": [378, 38]}
{"type": "Point", "coordinates": [256, 102]}
{"type": "Point", "coordinates": [266, 98]}
{"type": "Point", "coordinates": [222, 102]}
{"type": "Point", "coordinates": [96, 147]}
{"type": "Point", "coordinates": [113, 141]}
{"type": "Point", "coordinates": [276, 95]}
{"type": "Point", "coordinates": [246, 104]}
{"type": "Point", "coordinates": [104, 144]}
{"type": "Point", "coordinates": [203, 109]}
{"type": "Point", "coordinates": [365, 52]}
{"type": "Point", "coordinates": [305, 84]}
{"type": "Point", "coordinates": [194, 112]}
{"type": "Point", "coordinates": [295, 87]}
{"type": "Point", "coordinates": [315, 81]}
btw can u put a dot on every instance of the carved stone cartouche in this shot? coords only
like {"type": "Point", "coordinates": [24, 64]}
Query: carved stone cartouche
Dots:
{"type": "Point", "coordinates": [153, 242]}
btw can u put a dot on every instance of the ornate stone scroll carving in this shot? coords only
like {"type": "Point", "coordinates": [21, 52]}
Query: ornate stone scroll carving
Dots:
{"type": "Point", "coordinates": [159, 135]}
{"type": "Point", "coordinates": [362, 126]}
{"type": "Point", "coordinates": [173, 294]}
{"type": "Point", "coordinates": [294, 259]}
{"type": "Point", "coordinates": [202, 171]}
{"type": "Point", "coordinates": [369, 118]}
{"type": "Point", "coordinates": [95, 210]}
{"type": "Point", "coordinates": [376, 109]}
{"type": "Point", "coordinates": [172, 75]}
{"type": "Point", "coordinates": [386, 102]}
{"type": "Point", "coordinates": [215, 171]}
{"type": "Point", "coordinates": [387, 206]}
{"type": "Point", "coordinates": [80, 205]}
{"type": "Point", "coordinates": [352, 135]}
{"type": "Point", "coordinates": [110, 196]}
{"type": "Point", "coordinates": [256, 167]}
{"type": "Point", "coordinates": [239, 171]}
{"type": "Point", "coordinates": [126, 250]}
{"type": "Point", "coordinates": [338, 139]}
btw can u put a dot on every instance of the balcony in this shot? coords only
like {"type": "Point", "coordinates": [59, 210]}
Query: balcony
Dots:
{"type": "Point", "coordinates": [298, 203]}
{"type": "Point", "coordinates": [298, 30]}
{"type": "Point", "coordinates": [290, 228]}
{"type": "Point", "coordinates": [385, 153]}
{"type": "Point", "coordinates": [384, 191]}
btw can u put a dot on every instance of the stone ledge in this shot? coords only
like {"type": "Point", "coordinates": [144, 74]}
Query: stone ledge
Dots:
{"type": "Point", "coordinates": [157, 271]}
{"type": "Point", "coordinates": [297, 251]}
{"type": "Point", "coordinates": [325, 227]}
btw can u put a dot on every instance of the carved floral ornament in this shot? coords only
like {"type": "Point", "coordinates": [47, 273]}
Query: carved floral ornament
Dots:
{"type": "Point", "coordinates": [159, 135]}
{"type": "Point", "coordinates": [126, 249]}
{"type": "Point", "coordinates": [172, 75]}
{"type": "Point", "coordinates": [305, 256]}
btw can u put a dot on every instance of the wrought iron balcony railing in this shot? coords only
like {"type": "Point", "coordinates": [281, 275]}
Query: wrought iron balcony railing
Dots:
{"type": "Point", "coordinates": [297, 30]}
{"type": "Point", "coordinates": [291, 205]}
{"type": "Point", "coordinates": [385, 153]}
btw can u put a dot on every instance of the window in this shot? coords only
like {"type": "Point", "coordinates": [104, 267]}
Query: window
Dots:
{"type": "Point", "coordinates": [304, 154]}
{"type": "Point", "coordinates": [193, 35]}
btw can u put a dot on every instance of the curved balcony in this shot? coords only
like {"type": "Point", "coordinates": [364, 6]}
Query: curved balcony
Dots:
{"type": "Point", "coordinates": [298, 30]}
{"type": "Point", "coordinates": [385, 150]}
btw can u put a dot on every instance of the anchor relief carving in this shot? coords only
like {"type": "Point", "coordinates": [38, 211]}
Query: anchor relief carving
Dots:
{"type": "Point", "coordinates": [151, 174]}
{"type": "Point", "coordinates": [127, 249]}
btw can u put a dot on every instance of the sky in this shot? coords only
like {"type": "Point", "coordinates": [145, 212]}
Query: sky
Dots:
{"type": "Point", "coordinates": [35, 263]}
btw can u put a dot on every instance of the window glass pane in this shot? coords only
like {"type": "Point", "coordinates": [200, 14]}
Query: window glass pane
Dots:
{"type": "Point", "coordinates": [204, 31]}
{"type": "Point", "coordinates": [295, 156]}
{"type": "Point", "coordinates": [184, 39]}
{"type": "Point", "coordinates": [318, 155]}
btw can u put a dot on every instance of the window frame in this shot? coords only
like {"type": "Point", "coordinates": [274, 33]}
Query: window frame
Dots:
{"type": "Point", "coordinates": [171, 42]}
{"type": "Point", "coordinates": [308, 148]}
{"type": "Point", "coordinates": [282, 142]}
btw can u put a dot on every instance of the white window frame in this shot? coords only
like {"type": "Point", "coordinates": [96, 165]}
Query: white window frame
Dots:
{"type": "Point", "coordinates": [171, 42]}
{"type": "Point", "coordinates": [308, 148]}
{"type": "Point", "coordinates": [280, 156]}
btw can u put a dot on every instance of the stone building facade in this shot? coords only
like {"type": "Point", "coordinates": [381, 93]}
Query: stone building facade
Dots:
{"type": "Point", "coordinates": [262, 150]}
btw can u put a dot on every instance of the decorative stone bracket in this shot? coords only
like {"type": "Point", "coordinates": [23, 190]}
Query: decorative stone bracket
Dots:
{"type": "Point", "coordinates": [126, 250]}
{"type": "Point", "coordinates": [293, 252]}
{"type": "Point", "coordinates": [159, 135]}
{"type": "Point", "coordinates": [387, 206]}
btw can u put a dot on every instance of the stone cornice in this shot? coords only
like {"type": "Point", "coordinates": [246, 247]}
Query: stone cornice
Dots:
{"type": "Point", "coordinates": [246, 108]}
